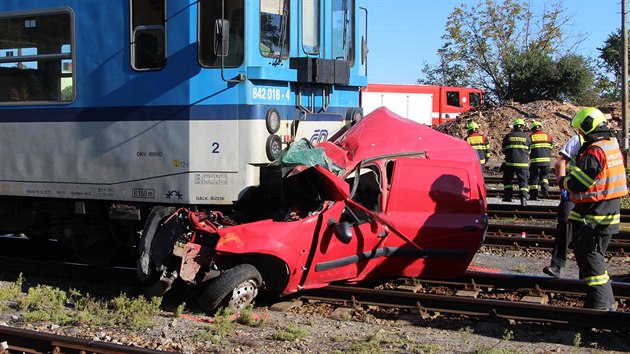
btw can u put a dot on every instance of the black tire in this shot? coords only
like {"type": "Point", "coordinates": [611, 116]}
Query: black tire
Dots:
{"type": "Point", "coordinates": [235, 289]}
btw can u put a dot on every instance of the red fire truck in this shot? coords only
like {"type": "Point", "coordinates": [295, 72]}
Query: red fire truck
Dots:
{"type": "Point", "coordinates": [426, 104]}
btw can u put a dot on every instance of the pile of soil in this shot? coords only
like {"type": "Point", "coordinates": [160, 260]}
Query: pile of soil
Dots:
{"type": "Point", "coordinates": [496, 121]}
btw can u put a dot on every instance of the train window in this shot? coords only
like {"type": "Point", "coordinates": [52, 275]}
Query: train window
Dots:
{"type": "Point", "coordinates": [148, 35]}
{"type": "Point", "coordinates": [274, 28]}
{"type": "Point", "coordinates": [475, 99]}
{"type": "Point", "coordinates": [36, 58]}
{"type": "Point", "coordinates": [452, 98]}
{"type": "Point", "coordinates": [343, 30]}
{"type": "Point", "coordinates": [209, 12]}
{"type": "Point", "coordinates": [310, 26]}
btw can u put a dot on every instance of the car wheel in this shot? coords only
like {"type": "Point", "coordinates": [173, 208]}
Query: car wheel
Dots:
{"type": "Point", "coordinates": [235, 289]}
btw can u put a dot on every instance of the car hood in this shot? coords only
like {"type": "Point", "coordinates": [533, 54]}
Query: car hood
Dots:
{"type": "Point", "coordinates": [384, 132]}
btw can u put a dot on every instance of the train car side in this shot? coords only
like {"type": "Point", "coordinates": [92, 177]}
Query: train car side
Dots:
{"type": "Point", "coordinates": [112, 107]}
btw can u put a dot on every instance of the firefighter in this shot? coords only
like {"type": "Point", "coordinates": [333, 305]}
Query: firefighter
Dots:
{"type": "Point", "coordinates": [515, 147]}
{"type": "Point", "coordinates": [596, 186]}
{"type": "Point", "coordinates": [479, 143]}
{"type": "Point", "coordinates": [539, 160]}
{"type": "Point", "coordinates": [564, 162]}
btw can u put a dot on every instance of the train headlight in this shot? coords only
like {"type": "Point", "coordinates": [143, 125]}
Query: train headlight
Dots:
{"type": "Point", "coordinates": [273, 147]}
{"type": "Point", "coordinates": [272, 119]}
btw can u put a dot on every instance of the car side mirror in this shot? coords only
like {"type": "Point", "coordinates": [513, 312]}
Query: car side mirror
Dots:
{"type": "Point", "coordinates": [342, 230]}
{"type": "Point", "coordinates": [221, 37]}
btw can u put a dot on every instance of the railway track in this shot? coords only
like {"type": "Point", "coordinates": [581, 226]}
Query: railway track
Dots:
{"type": "Point", "coordinates": [502, 296]}
{"type": "Point", "coordinates": [498, 179]}
{"type": "Point", "coordinates": [17, 340]}
{"type": "Point", "coordinates": [536, 212]}
{"type": "Point", "coordinates": [498, 193]}
{"type": "Point", "coordinates": [476, 294]}
{"type": "Point", "coordinates": [518, 235]}
{"type": "Point", "coordinates": [541, 238]}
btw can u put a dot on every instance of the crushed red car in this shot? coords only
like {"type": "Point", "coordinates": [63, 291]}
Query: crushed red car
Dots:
{"type": "Point", "coordinates": [388, 198]}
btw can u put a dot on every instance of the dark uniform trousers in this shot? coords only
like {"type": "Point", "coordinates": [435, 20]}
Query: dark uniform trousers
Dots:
{"type": "Point", "coordinates": [522, 175]}
{"type": "Point", "coordinates": [562, 239]}
{"type": "Point", "coordinates": [589, 246]}
{"type": "Point", "coordinates": [538, 181]}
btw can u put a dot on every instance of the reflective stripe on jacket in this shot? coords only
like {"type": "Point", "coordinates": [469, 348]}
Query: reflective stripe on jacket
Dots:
{"type": "Point", "coordinates": [481, 145]}
{"type": "Point", "coordinates": [516, 146]}
{"type": "Point", "coordinates": [542, 143]}
{"type": "Point", "coordinates": [611, 181]}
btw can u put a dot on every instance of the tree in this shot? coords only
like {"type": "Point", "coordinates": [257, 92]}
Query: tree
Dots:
{"type": "Point", "coordinates": [611, 58]}
{"type": "Point", "coordinates": [511, 52]}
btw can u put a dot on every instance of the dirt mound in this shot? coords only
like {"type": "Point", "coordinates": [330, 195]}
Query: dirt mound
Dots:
{"type": "Point", "coordinates": [496, 122]}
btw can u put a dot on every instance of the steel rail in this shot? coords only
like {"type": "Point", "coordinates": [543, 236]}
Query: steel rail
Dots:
{"type": "Point", "coordinates": [532, 282]}
{"type": "Point", "coordinates": [28, 341]}
{"type": "Point", "coordinates": [477, 307]}
{"type": "Point", "coordinates": [620, 248]}
{"type": "Point", "coordinates": [490, 179]}
{"type": "Point", "coordinates": [542, 230]}
{"type": "Point", "coordinates": [553, 194]}
{"type": "Point", "coordinates": [535, 211]}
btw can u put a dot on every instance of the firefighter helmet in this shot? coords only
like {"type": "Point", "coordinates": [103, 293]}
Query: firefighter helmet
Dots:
{"type": "Point", "coordinates": [472, 125]}
{"type": "Point", "coordinates": [536, 124]}
{"type": "Point", "coordinates": [519, 122]}
{"type": "Point", "coordinates": [588, 119]}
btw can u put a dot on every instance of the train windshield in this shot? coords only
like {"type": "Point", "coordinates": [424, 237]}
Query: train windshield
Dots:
{"type": "Point", "coordinates": [209, 13]}
{"type": "Point", "coordinates": [274, 28]}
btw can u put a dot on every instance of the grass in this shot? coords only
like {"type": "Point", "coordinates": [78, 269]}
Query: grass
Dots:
{"type": "Point", "coordinates": [247, 317]}
{"type": "Point", "coordinates": [43, 303]}
{"type": "Point", "coordinates": [291, 333]}
{"type": "Point", "coordinates": [220, 328]}
{"type": "Point", "coordinates": [520, 268]}
{"type": "Point", "coordinates": [385, 342]}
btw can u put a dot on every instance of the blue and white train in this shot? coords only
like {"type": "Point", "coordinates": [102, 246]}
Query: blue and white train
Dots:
{"type": "Point", "coordinates": [108, 108]}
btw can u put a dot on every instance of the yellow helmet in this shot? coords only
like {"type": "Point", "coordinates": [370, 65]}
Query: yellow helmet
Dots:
{"type": "Point", "coordinates": [588, 119]}
{"type": "Point", "coordinates": [536, 124]}
{"type": "Point", "coordinates": [472, 125]}
{"type": "Point", "coordinates": [519, 121]}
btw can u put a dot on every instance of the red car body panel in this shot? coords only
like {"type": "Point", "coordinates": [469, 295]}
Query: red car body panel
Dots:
{"type": "Point", "coordinates": [423, 214]}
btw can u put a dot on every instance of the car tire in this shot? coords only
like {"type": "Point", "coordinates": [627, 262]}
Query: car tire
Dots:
{"type": "Point", "coordinates": [234, 289]}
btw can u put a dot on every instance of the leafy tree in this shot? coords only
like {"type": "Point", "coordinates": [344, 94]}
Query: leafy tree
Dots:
{"type": "Point", "coordinates": [611, 57]}
{"type": "Point", "coordinates": [512, 53]}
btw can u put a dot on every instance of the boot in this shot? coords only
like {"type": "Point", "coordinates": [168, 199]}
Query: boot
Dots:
{"type": "Point", "coordinates": [507, 195]}
{"type": "Point", "coordinates": [552, 270]}
{"type": "Point", "coordinates": [533, 194]}
{"type": "Point", "coordinates": [523, 201]}
{"type": "Point", "coordinates": [545, 192]}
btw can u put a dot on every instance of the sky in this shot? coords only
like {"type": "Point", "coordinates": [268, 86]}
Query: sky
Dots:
{"type": "Point", "coordinates": [403, 34]}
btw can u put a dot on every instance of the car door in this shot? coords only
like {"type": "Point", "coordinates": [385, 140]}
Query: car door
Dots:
{"type": "Point", "coordinates": [333, 258]}
{"type": "Point", "coordinates": [440, 208]}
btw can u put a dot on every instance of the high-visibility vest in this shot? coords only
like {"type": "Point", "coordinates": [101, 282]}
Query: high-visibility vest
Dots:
{"type": "Point", "coordinates": [481, 145]}
{"type": "Point", "coordinates": [542, 144]}
{"type": "Point", "coordinates": [611, 181]}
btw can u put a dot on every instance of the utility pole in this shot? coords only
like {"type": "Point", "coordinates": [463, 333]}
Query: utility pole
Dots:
{"type": "Point", "coordinates": [624, 78]}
